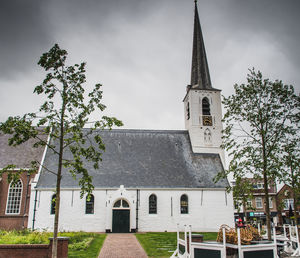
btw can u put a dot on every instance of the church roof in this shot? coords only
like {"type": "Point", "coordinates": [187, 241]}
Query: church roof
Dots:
{"type": "Point", "coordinates": [200, 78]}
{"type": "Point", "coordinates": [22, 155]}
{"type": "Point", "coordinates": [143, 159]}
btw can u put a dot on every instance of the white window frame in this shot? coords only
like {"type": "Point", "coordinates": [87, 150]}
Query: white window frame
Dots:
{"type": "Point", "coordinates": [256, 202]}
{"type": "Point", "coordinates": [258, 186]}
{"type": "Point", "coordinates": [249, 204]}
{"type": "Point", "coordinates": [92, 197]}
{"type": "Point", "coordinates": [152, 213]}
{"type": "Point", "coordinates": [8, 201]}
{"type": "Point", "coordinates": [187, 205]}
{"type": "Point", "coordinates": [271, 202]}
{"type": "Point", "coordinates": [287, 203]}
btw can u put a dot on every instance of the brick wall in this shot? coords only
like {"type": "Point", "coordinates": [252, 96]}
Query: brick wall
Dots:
{"type": "Point", "coordinates": [36, 251]}
{"type": "Point", "coordinates": [15, 221]}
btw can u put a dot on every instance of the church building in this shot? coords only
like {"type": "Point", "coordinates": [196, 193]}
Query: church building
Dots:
{"type": "Point", "coordinates": [149, 180]}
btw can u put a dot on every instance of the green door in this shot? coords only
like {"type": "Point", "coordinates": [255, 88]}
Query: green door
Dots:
{"type": "Point", "coordinates": [120, 221]}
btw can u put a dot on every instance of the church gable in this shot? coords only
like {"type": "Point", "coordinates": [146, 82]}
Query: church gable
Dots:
{"type": "Point", "coordinates": [143, 159]}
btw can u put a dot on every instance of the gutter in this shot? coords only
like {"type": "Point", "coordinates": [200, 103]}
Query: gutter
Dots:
{"type": "Point", "coordinates": [137, 210]}
{"type": "Point", "coordinates": [36, 179]}
{"type": "Point", "coordinates": [34, 209]}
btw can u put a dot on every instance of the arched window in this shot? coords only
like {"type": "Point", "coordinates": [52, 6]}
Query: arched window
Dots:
{"type": "Point", "coordinates": [206, 117]}
{"type": "Point", "coordinates": [205, 107]}
{"type": "Point", "coordinates": [207, 135]}
{"type": "Point", "coordinates": [184, 204]}
{"type": "Point", "coordinates": [89, 204]}
{"type": "Point", "coordinates": [152, 204]}
{"type": "Point", "coordinates": [53, 204]}
{"type": "Point", "coordinates": [188, 111]}
{"type": "Point", "coordinates": [14, 198]}
{"type": "Point", "coordinates": [121, 204]}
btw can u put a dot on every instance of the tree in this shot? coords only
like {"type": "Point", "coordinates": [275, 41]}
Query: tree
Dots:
{"type": "Point", "coordinates": [242, 191]}
{"type": "Point", "coordinates": [291, 163]}
{"type": "Point", "coordinates": [257, 119]}
{"type": "Point", "coordinates": [63, 115]}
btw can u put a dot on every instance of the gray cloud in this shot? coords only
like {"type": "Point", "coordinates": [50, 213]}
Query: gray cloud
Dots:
{"type": "Point", "coordinates": [23, 33]}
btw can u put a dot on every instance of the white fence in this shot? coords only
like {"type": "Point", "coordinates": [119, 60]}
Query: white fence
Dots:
{"type": "Point", "coordinates": [188, 249]}
{"type": "Point", "coordinates": [289, 239]}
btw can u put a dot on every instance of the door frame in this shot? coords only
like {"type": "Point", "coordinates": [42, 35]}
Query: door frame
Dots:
{"type": "Point", "coordinates": [120, 208]}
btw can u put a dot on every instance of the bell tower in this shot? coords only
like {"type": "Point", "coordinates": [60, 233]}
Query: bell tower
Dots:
{"type": "Point", "coordinates": [202, 102]}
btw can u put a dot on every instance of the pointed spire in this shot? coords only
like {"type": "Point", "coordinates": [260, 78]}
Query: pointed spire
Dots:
{"type": "Point", "coordinates": [200, 77]}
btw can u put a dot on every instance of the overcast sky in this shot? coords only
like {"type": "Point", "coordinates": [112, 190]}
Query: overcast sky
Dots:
{"type": "Point", "coordinates": [140, 50]}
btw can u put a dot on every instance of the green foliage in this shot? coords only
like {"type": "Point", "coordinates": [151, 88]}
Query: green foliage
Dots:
{"type": "Point", "coordinates": [24, 237]}
{"type": "Point", "coordinates": [84, 244]}
{"type": "Point", "coordinates": [242, 191]}
{"type": "Point", "coordinates": [259, 117]}
{"type": "Point", "coordinates": [93, 249]}
{"type": "Point", "coordinates": [63, 115]}
{"type": "Point", "coordinates": [291, 163]}
{"type": "Point", "coordinates": [81, 244]}
{"type": "Point", "coordinates": [164, 244]}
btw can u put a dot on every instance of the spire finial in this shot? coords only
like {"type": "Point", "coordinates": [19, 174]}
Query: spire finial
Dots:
{"type": "Point", "coordinates": [200, 77]}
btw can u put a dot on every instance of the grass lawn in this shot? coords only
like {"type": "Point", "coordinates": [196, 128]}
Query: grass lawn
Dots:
{"type": "Point", "coordinates": [92, 251]}
{"type": "Point", "coordinates": [81, 244]}
{"type": "Point", "coordinates": [161, 245]}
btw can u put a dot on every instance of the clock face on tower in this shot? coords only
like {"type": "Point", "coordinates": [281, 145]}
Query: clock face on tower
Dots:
{"type": "Point", "coordinates": [207, 120]}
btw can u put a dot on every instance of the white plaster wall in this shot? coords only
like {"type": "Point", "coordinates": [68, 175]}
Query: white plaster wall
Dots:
{"type": "Point", "coordinates": [194, 124]}
{"type": "Point", "coordinates": [72, 212]}
{"type": "Point", "coordinates": [205, 215]}
{"type": "Point", "coordinates": [115, 195]}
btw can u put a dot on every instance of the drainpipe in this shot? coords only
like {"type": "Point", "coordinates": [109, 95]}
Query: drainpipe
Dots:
{"type": "Point", "coordinates": [137, 209]}
{"type": "Point", "coordinates": [34, 209]}
{"type": "Point", "coordinates": [26, 199]}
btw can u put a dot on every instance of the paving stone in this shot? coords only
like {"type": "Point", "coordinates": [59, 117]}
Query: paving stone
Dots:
{"type": "Point", "coordinates": [122, 246]}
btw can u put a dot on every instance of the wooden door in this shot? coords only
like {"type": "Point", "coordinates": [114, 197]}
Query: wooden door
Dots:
{"type": "Point", "coordinates": [121, 221]}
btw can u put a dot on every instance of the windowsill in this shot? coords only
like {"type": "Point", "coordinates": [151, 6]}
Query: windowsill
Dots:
{"type": "Point", "coordinates": [153, 215]}
{"type": "Point", "coordinates": [185, 214]}
{"type": "Point", "coordinates": [13, 214]}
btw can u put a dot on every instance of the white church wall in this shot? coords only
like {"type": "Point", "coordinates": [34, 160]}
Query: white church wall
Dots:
{"type": "Point", "coordinates": [208, 209]}
{"type": "Point", "coordinates": [207, 215]}
{"type": "Point", "coordinates": [72, 212]}
{"type": "Point", "coordinates": [197, 129]}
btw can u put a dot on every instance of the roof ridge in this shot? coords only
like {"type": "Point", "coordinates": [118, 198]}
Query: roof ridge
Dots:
{"type": "Point", "coordinates": [126, 130]}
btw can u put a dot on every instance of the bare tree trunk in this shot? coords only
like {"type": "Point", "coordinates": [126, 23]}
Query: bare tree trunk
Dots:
{"type": "Point", "coordinates": [265, 178]}
{"type": "Point", "coordinates": [267, 207]}
{"type": "Point", "coordinates": [57, 205]}
{"type": "Point", "coordinates": [60, 160]}
{"type": "Point", "coordinates": [294, 191]}
{"type": "Point", "coordinates": [57, 201]}
{"type": "Point", "coordinates": [295, 208]}
{"type": "Point", "coordinates": [245, 212]}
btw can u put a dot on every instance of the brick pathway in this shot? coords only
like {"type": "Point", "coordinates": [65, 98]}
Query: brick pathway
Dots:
{"type": "Point", "coordinates": [122, 246]}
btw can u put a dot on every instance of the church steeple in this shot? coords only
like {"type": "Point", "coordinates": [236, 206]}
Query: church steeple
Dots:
{"type": "Point", "coordinates": [200, 77]}
{"type": "Point", "coordinates": [202, 102]}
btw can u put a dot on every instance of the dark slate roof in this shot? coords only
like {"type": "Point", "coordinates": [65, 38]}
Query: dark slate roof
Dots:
{"type": "Point", "coordinates": [200, 72]}
{"type": "Point", "coordinates": [21, 155]}
{"type": "Point", "coordinates": [143, 159]}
